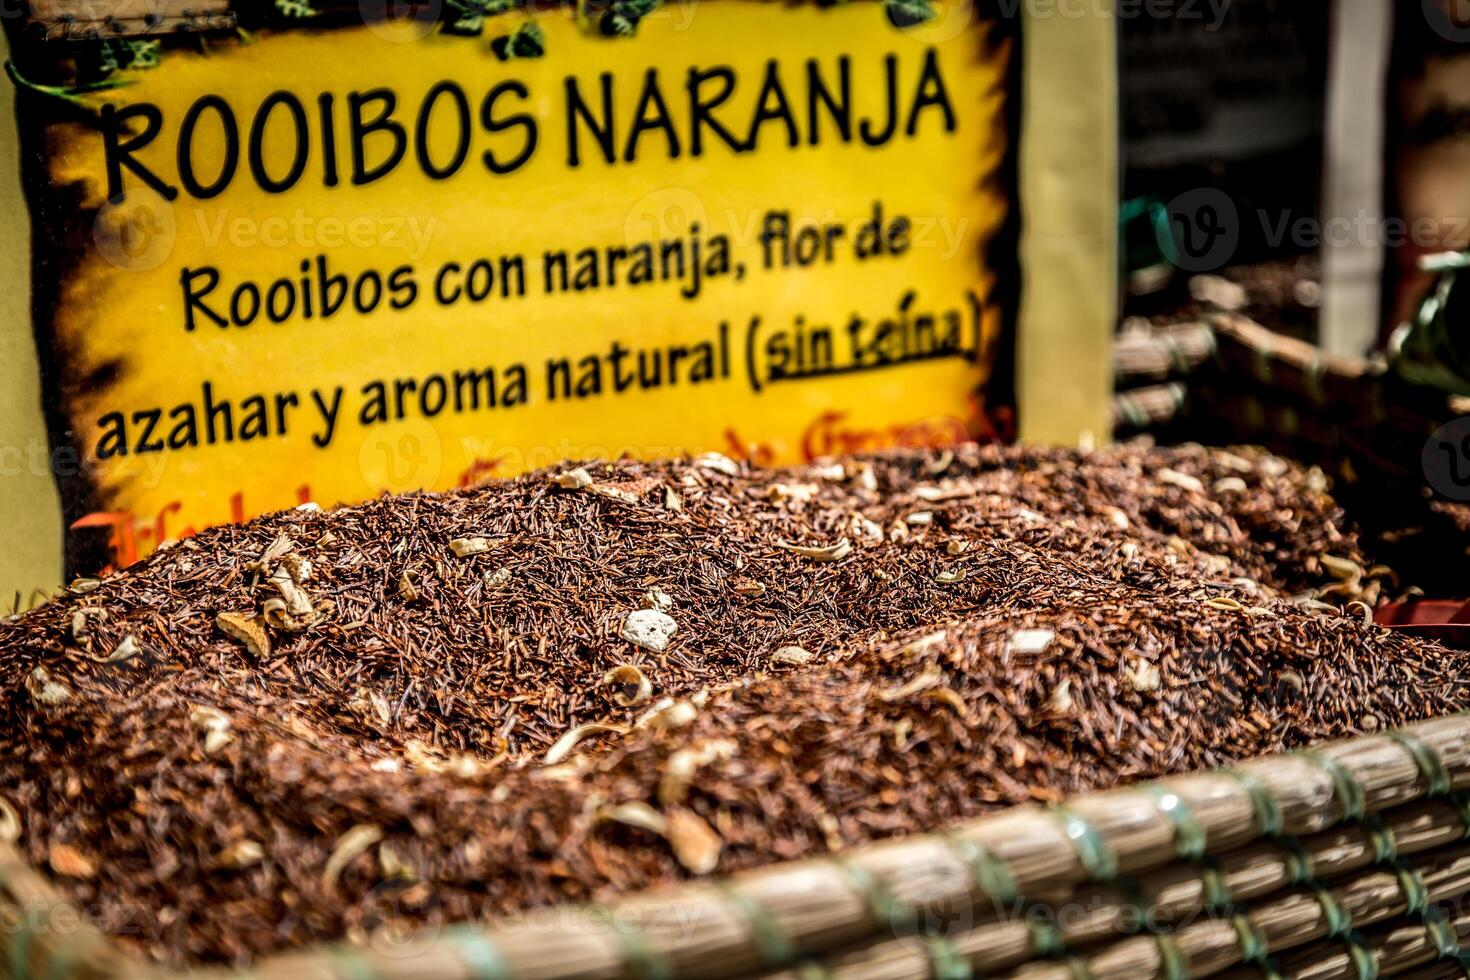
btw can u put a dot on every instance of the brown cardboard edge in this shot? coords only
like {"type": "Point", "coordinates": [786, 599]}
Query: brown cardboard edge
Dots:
{"type": "Point", "coordinates": [30, 560]}
{"type": "Point", "coordinates": [1068, 179]}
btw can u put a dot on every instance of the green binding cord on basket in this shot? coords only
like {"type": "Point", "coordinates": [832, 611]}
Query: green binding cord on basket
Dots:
{"type": "Point", "coordinates": [1135, 900]}
{"type": "Point", "coordinates": [349, 964]}
{"type": "Point", "coordinates": [1171, 957]}
{"type": "Point", "coordinates": [1097, 858]}
{"type": "Point", "coordinates": [1385, 845]}
{"type": "Point", "coordinates": [643, 960]}
{"type": "Point", "coordinates": [1431, 767]}
{"type": "Point", "coordinates": [20, 949]}
{"type": "Point", "coordinates": [1268, 814]}
{"type": "Point", "coordinates": [479, 955]}
{"type": "Point", "coordinates": [1461, 803]}
{"type": "Point", "coordinates": [945, 963]}
{"type": "Point", "coordinates": [1412, 887]}
{"type": "Point", "coordinates": [1253, 946]}
{"type": "Point", "coordinates": [882, 907]}
{"type": "Point", "coordinates": [1078, 967]}
{"type": "Point", "coordinates": [1298, 861]}
{"type": "Point", "coordinates": [988, 872]}
{"type": "Point", "coordinates": [1189, 836]}
{"type": "Point", "coordinates": [1217, 889]}
{"type": "Point", "coordinates": [771, 940]}
{"type": "Point", "coordinates": [1442, 936]}
{"type": "Point", "coordinates": [1363, 959]}
{"type": "Point", "coordinates": [1339, 921]}
{"type": "Point", "coordinates": [1345, 786]}
{"type": "Point", "coordinates": [1046, 938]}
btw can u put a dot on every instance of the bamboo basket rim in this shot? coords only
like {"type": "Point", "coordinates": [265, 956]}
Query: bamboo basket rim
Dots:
{"type": "Point", "coordinates": [728, 927]}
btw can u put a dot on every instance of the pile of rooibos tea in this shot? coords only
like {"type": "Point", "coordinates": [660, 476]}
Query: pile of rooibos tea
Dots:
{"type": "Point", "coordinates": [428, 708]}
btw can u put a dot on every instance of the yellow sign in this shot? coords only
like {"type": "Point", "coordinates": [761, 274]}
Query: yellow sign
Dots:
{"type": "Point", "coordinates": [327, 264]}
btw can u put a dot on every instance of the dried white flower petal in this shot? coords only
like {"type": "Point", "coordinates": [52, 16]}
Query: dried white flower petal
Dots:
{"type": "Point", "coordinates": [629, 686]}
{"type": "Point", "coordinates": [241, 854]}
{"type": "Point", "coordinates": [694, 842]}
{"type": "Point", "coordinates": [126, 649]}
{"type": "Point", "coordinates": [1181, 480]}
{"type": "Point", "coordinates": [793, 656]}
{"type": "Point", "coordinates": [717, 462]}
{"type": "Point", "coordinates": [44, 690]}
{"type": "Point", "coordinates": [649, 629]}
{"type": "Point", "coordinates": [656, 598]}
{"type": "Point", "coordinates": [573, 479]}
{"type": "Point", "coordinates": [1030, 643]}
{"type": "Point", "coordinates": [835, 552]}
{"type": "Point", "coordinates": [1144, 676]}
{"type": "Point", "coordinates": [563, 746]}
{"type": "Point", "coordinates": [635, 813]}
{"type": "Point", "coordinates": [464, 547]}
{"type": "Point", "coordinates": [247, 629]}
{"type": "Point", "coordinates": [349, 845]}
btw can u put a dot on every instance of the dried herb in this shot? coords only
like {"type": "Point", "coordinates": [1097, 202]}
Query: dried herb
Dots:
{"type": "Point", "coordinates": [489, 739]}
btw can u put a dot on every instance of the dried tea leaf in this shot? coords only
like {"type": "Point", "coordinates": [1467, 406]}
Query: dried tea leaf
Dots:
{"type": "Point", "coordinates": [406, 589]}
{"type": "Point", "coordinates": [44, 690]}
{"type": "Point", "coordinates": [656, 598]}
{"type": "Point", "coordinates": [1229, 484]}
{"type": "Point", "coordinates": [81, 619]}
{"type": "Point", "coordinates": [240, 854]}
{"type": "Point", "coordinates": [635, 814]}
{"type": "Point", "coordinates": [464, 547]}
{"type": "Point", "coordinates": [352, 843]}
{"type": "Point", "coordinates": [392, 866]}
{"type": "Point", "coordinates": [681, 767]}
{"type": "Point", "coordinates": [924, 644]}
{"type": "Point", "coordinates": [929, 677]}
{"type": "Point", "coordinates": [293, 611]}
{"type": "Point", "coordinates": [668, 714]}
{"type": "Point", "coordinates": [208, 719]}
{"type": "Point", "coordinates": [649, 629]}
{"type": "Point", "coordinates": [215, 740]}
{"type": "Point", "coordinates": [793, 656]}
{"type": "Point", "coordinates": [126, 649]}
{"type": "Point", "coordinates": [1342, 569]}
{"type": "Point", "coordinates": [9, 822]}
{"type": "Point", "coordinates": [248, 629]}
{"type": "Point", "coordinates": [621, 493]}
{"type": "Point", "coordinates": [717, 462]}
{"type": "Point", "coordinates": [573, 479]}
{"type": "Point", "coordinates": [1144, 676]}
{"type": "Point", "coordinates": [629, 686]}
{"type": "Point", "coordinates": [835, 552]}
{"type": "Point", "coordinates": [950, 697]}
{"type": "Point", "coordinates": [1225, 603]}
{"type": "Point", "coordinates": [1060, 700]}
{"type": "Point", "coordinates": [952, 577]}
{"type": "Point", "coordinates": [695, 844]}
{"type": "Point", "coordinates": [747, 587]}
{"type": "Point", "coordinates": [565, 745]}
{"type": "Point", "coordinates": [1030, 643]}
{"type": "Point", "coordinates": [71, 862]}
{"type": "Point", "coordinates": [671, 500]}
{"type": "Point", "coordinates": [798, 493]}
{"type": "Point", "coordinates": [956, 547]}
{"type": "Point", "coordinates": [1181, 480]}
{"type": "Point", "coordinates": [81, 586]}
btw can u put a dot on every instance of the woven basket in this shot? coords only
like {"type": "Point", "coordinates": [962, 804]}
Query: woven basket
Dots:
{"type": "Point", "coordinates": [1325, 863]}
